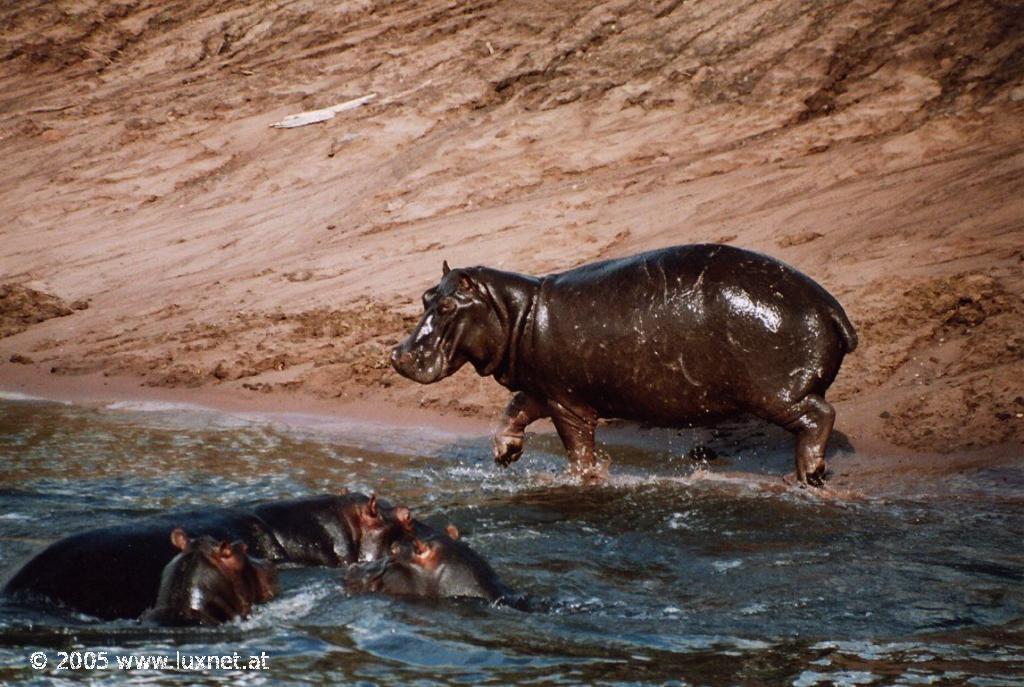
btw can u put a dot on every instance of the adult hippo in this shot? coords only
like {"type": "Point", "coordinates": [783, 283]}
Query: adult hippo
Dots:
{"type": "Point", "coordinates": [674, 337]}
{"type": "Point", "coordinates": [114, 572]}
{"type": "Point", "coordinates": [211, 582]}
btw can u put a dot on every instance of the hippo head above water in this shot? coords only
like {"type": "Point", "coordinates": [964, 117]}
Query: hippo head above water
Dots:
{"type": "Point", "coordinates": [430, 566]}
{"type": "Point", "coordinates": [378, 526]}
{"type": "Point", "coordinates": [211, 582]}
{"type": "Point", "coordinates": [677, 337]}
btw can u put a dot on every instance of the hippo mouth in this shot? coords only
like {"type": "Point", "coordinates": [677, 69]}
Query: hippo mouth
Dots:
{"type": "Point", "coordinates": [425, 371]}
{"type": "Point", "coordinates": [366, 578]}
{"type": "Point", "coordinates": [429, 354]}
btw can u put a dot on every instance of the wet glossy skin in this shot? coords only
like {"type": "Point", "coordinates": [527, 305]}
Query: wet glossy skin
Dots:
{"type": "Point", "coordinates": [674, 337]}
{"type": "Point", "coordinates": [211, 582]}
{"type": "Point", "coordinates": [332, 530]}
{"type": "Point", "coordinates": [430, 565]}
{"type": "Point", "coordinates": [115, 572]}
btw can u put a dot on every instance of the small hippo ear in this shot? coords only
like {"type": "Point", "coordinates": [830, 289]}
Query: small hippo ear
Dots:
{"type": "Point", "coordinates": [445, 269]}
{"type": "Point", "coordinates": [371, 506]}
{"type": "Point", "coordinates": [343, 491]}
{"type": "Point", "coordinates": [404, 517]}
{"type": "Point", "coordinates": [419, 547]}
{"type": "Point", "coordinates": [179, 539]}
{"type": "Point", "coordinates": [453, 532]}
{"type": "Point", "coordinates": [224, 550]}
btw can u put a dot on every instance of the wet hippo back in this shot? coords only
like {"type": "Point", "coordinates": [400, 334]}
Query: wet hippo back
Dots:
{"type": "Point", "coordinates": [315, 533]}
{"type": "Point", "coordinates": [680, 335]}
{"type": "Point", "coordinates": [114, 572]}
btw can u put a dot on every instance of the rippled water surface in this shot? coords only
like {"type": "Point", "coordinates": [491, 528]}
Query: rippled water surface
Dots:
{"type": "Point", "coordinates": [665, 576]}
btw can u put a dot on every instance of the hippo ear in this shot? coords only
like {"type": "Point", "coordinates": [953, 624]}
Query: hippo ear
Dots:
{"type": "Point", "coordinates": [445, 269]}
{"type": "Point", "coordinates": [179, 539]}
{"type": "Point", "coordinates": [371, 506]}
{"type": "Point", "coordinates": [343, 491]}
{"type": "Point", "coordinates": [466, 282]}
{"type": "Point", "coordinates": [224, 550]}
{"type": "Point", "coordinates": [453, 532]}
{"type": "Point", "coordinates": [404, 517]}
{"type": "Point", "coordinates": [419, 547]}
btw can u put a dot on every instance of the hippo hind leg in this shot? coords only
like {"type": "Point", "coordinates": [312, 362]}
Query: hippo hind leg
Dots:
{"type": "Point", "coordinates": [811, 420]}
{"type": "Point", "coordinates": [576, 430]}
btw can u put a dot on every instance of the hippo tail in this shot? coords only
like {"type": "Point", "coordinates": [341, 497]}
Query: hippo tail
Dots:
{"type": "Point", "coordinates": [845, 328]}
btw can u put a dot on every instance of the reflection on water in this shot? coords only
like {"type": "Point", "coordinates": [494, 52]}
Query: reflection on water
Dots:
{"type": "Point", "coordinates": [665, 576]}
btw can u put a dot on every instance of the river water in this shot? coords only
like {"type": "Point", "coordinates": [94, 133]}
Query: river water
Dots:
{"type": "Point", "coordinates": [672, 574]}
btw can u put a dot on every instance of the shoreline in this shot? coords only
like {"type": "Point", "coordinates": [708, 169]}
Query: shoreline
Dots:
{"type": "Point", "coordinates": [865, 466]}
{"type": "Point", "coordinates": [96, 389]}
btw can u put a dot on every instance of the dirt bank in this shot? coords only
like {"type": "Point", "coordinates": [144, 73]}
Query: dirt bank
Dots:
{"type": "Point", "coordinates": [877, 146]}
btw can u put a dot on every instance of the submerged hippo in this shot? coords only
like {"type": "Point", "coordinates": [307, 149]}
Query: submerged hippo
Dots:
{"type": "Point", "coordinates": [674, 337]}
{"type": "Point", "coordinates": [430, 564]}
{"type": "Point", "coordinates": [211, 582]}
{"type": "Point", "coordinates": [332, 530]}
{"type": "Point", "coordinates": [115, 572]}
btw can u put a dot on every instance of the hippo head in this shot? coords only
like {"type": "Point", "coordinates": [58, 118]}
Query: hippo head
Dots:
{"type": "Point", "coordinates": [376, 526]}
{"type": "Point", "coordinates": [432, 567]}
{"type": "Point", "coordinates": [211, 582]}
{"type": "Point", "coordinates": [461, 323]}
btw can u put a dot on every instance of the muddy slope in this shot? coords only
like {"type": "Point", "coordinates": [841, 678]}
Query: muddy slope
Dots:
{"type": "Point", "coordinates": [877, 146]}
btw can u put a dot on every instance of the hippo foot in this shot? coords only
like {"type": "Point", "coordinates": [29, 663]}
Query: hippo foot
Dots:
{"type": "Point", "coordinates": [819, 476]}
{"type": "Point", "coordinates": [507, 449]}
{"type": "Point", "coordinates": [590, 475]}
{"type": "Point", "coordinates": [815, 479]}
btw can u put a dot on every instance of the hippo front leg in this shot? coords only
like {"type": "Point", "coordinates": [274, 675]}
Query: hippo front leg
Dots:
{"type": "Point", "coordinates": [576, 430]}
{"type": "Point", "coordinates": [521, 410]}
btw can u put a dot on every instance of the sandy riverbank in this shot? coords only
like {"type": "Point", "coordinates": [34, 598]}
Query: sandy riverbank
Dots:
{"type": "Point", "coordinates": [183, 249]}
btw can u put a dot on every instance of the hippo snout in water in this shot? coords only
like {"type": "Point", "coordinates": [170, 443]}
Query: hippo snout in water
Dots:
{"type": "Point", "coordinates": [211, 582]}
{"type": "Point", "coordinates": [674, 337]}
{"type": "Point", "coordinates": [430, 564]}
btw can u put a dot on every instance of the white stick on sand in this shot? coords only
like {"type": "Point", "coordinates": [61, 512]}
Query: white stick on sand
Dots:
{"type": "Point", "coordinates": [314, 116]}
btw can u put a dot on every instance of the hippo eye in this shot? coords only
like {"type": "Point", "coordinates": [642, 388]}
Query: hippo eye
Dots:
{"type": "Point", "coordinates": [446, 306]}
{"type": "Point", "coordinates": [428, 296]}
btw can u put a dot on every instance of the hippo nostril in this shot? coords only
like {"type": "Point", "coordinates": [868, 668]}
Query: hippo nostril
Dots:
{"type": "Point", "coordinates": [401, 359]}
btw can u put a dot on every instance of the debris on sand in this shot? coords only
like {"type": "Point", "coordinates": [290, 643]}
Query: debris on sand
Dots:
{"type": "Point", "coordinates": [316, 116]}
{"type": "Point", "coordinates": [21, 307]}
